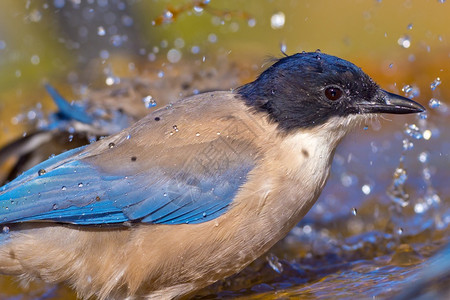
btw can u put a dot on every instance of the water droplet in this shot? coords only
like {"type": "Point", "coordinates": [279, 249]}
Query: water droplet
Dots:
{"type": "Point", "coordinates": [400, 231]}
{"type": "Point", "coordinates": [149, 101]}
{"type": "Point", "coordinates": [204, 215]}
{"type": "Point", "coordinates": [5, 229]}
{"type": "Point", "coordinates": [92, 138]}
{"type": "Point", "coordinates": [104, 54]}
{"type": "Point", "coordinates": [404, 41]}
{"type": "Point", "coordinates": [160, 74]}
{"type": "Point", "coordinates": [400, 176]}
{"type": "Point", "coordinates": [80, 185]}
{"type": "Point", "coordinates": [366, 189]}
{"type": "Point", "coordinates": [432, 199]}
{"type": "Point", "coordinates": [411, 91]}
{"type": "Point", "coordinates": [427, 134]}
{"type": "Point", "coordinates": [434, 103]}
{"type": "Point", "coordinates": [175, 127]}
{"type": "Point", "coordinates": [63, 188]}
{"type": "Point", "coordinates": [41, 172]}
{"type": "Point", "coordinates": [348, 179]}
{"type": "Point", "coordinates": [413, 131]}
{"type": "Point", "coordinates": [407, 145]}
{"type": "Point", "coordinates": [117, 40]}
{"type": "Point", "coordinates": [354, 211]}
{"type": "Point", "coordinates": [410, 26]}
{"type": "Point", "coordinates": [366, 127]}
{"type": "Point", "coordinates": [423, 157]}
{"type": "Point", "coordinates": [101, 31]}
{"type": "Point", "coordinates": [195, 49]}
{"type": "Point", "coordinates": [420, 208]}
{"type": "Point", "coordinates": [179, 43]}
{"type": "Point", "coordinates": [174, 55]}
{"type": "Point", "coordinates": [55, 206]}
{"type": "Point", "coordinates": [167, 17]}
{"type": "Point", "coordinates": [274, 263]}
{"type": "Point", "coordinates": [127, 21]}
{"type": "Point", "coordinates": [212, 38]}
{"type": "Point", "coordinates": [128, 136]}
{"type": "Point", "coordinates": [197, 134]}
{"type": "Point", "coordinates": [426, 173]}
{"type": "Point", "coordinates": [35, 60]}
{"type": "Point", "coordinates": [109, 80]}
{"type": "Point", "coordinates": [435, 83]}
{"type": "Point", "coordinates": [198, 9]}
{"type": "Point", "coordinates": [251, 22]}
{"type": "Point", "coordinates": [111, 145]}
{"type": "Point", "coordinates": [277, 20]}
{"type": "Point", "coordinates": [165, 194]}
{"type": "Point", "coordinates": [390, 66]}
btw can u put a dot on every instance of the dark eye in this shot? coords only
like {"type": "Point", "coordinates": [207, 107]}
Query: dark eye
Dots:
{"type": "Point", "coordinates": [333, 93]}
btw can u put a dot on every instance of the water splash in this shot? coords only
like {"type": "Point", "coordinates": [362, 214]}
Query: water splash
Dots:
{"type": "Point", "coordinates": [274, 263]}
{"type": "Point", "coordinates": [396, 191]}
{"type": "Point", "coordinates": [434, 103]}
{"type": "Point", "coordinates": [413, 131]}
{"type": "Point", "coordinates": [411, 91]}
{"type": "Point", "coordinates": [435, 83]}
{"type": "Point", "coordinates": [430, 202]}
{"type": "Point", "coordinates": [149, 102]}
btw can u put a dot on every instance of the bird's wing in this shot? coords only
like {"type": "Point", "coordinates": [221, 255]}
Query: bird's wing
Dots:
{"type": "Point", "coordinates": [142, 178]}
{"type": "Point", "coordinates": [67, 110]}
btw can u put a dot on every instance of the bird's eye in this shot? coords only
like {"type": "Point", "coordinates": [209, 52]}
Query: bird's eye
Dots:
{"type": "Point", "coordinates": [333, 93]}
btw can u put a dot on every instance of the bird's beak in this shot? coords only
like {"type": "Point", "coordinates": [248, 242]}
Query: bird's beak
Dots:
{"type": "Point", "coordinates": [385, 102]}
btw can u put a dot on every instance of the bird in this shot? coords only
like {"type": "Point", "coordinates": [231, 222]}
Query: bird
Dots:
{"type": "Point", "coordinates": [194, 191]}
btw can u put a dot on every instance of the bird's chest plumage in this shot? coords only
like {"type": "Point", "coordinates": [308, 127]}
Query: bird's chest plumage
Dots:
{"type": "Point", "coordinates": [297, 170]}
{"type": "Point", "coordinates": [278, 193]}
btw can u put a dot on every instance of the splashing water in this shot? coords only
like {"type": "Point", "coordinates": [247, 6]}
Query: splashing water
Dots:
{"type": "Point", "coordinates": [435, 83]}
{"type": "Point", "coordinates": [149, 102]}
{"type": "Point", "coordinates": [274, 263]}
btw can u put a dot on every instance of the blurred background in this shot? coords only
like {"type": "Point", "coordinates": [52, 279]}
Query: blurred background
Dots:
{"type": "Point", "coordinates": [384, 214]}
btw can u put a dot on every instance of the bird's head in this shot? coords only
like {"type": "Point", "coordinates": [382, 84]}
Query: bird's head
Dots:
{"type": "Point", "coordinates": [307, 90]}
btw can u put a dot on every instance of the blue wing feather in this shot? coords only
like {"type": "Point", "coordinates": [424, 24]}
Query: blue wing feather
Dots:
{"type": "Point", "coordinates": [66, 110]}
{"type": "Point", "coordinates": [71, 190]}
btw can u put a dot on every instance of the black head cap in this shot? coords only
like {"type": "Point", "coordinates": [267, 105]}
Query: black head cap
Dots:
{"type": "Point", "coordinates": [306, 89]}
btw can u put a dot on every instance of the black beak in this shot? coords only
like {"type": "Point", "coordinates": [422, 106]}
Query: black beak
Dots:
{"type": "Point", "coordinates": [385, 102]}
